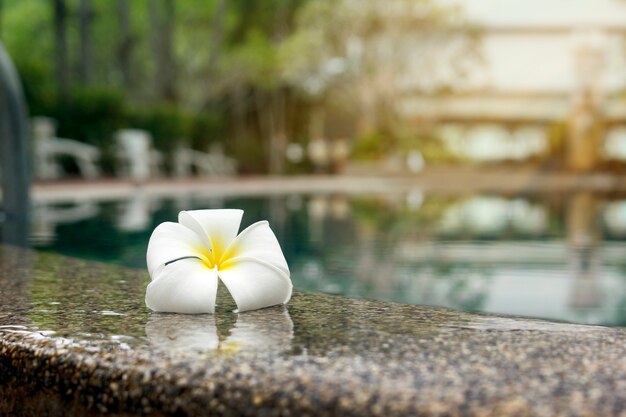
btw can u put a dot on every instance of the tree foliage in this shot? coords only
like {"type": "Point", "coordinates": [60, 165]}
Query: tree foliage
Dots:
{"type": "Point", "coordinates": [254, 73]}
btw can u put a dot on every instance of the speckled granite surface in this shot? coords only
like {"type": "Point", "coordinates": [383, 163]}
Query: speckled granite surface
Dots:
{"type": "Point", "coordinates": [75, 339]}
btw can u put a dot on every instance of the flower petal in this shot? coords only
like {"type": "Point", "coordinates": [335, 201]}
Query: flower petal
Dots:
{"type": "Point", "coordinates": [255, 284]}
{"type": "Point", "coordinates": [217, 227]}
{"type": "Point", "coordinates": [258, 241]}
{"type": "Point", "coordinates": [185, 286]}
{"type": "Point", "coordinates": [171, 241]}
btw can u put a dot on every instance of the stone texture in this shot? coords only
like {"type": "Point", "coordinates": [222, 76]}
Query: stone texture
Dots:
{"type": "Point", "coordinates": [76, 339]}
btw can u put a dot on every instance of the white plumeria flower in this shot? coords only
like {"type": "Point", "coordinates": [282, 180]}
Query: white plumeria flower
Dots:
{"type": "Point", "coordinates": [186, 258]}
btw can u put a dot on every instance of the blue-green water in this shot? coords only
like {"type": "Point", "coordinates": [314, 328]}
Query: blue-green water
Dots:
{"type": "Point", "coordinates": [559, 257]}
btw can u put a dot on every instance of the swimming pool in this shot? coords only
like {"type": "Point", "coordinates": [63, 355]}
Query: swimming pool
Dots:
{"type": "Point", "coordinates": [559, 257]}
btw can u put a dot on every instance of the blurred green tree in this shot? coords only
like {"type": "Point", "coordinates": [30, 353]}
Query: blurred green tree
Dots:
{"type": "Point", "coordinates": [367, 54]}
{"type": "Point", "coordinates": [263, 72]}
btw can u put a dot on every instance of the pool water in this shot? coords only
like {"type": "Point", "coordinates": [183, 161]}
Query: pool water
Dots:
{"type": "Point", "coordinates": [559, 257]}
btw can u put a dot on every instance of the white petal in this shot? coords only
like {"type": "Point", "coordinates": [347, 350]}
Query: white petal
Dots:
{"type": "Point", "coordinates": [258, 241]}
{"type": "Point", "coordinates": [255, 284]}
{"type": "Point", "coordinates": [171, 241]}
{"type": "Point", "coordinates": [217, 227]}
{"type": "Point", "coordinates": [185, 286]}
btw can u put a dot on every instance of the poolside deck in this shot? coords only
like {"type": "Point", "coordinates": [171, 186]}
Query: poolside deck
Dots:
{"type": "Point", "coordinates": [455, 180]}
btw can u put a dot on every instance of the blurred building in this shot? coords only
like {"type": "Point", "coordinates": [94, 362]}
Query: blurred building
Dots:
{"type": "Point", "coordinates": [542, 62]}
{"type": "Point", "coordinates": [531, 47]}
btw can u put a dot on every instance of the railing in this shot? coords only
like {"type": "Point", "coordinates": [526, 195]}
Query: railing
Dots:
{"type": "Point", "coordinates": [14, 156]}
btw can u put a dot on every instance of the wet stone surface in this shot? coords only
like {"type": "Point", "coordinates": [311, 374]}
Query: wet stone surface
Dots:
{"type": "Point", "coordinates": [76, 339]}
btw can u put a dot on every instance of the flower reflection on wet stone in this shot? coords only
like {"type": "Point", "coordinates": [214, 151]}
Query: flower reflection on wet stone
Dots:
{"type": "Point", "coordinates": [267, 331]}
{"type": "Point", "coordinates": [185, 260]}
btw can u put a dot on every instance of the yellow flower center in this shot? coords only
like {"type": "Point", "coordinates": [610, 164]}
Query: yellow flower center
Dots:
{"type": "Point", "coordinates": [217, 255]}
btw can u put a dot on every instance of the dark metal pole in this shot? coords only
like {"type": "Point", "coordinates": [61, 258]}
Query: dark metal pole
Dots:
{"type": "Point", "coordinates": [14, 156]}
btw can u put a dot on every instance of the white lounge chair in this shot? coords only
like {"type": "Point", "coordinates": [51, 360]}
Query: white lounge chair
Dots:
{"type": "Point", "coordinates": [136, 157]}
{"type": "Point", "coordinates": [48, 148]}
{"type": "Point", "coordinates": [214, 163]}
